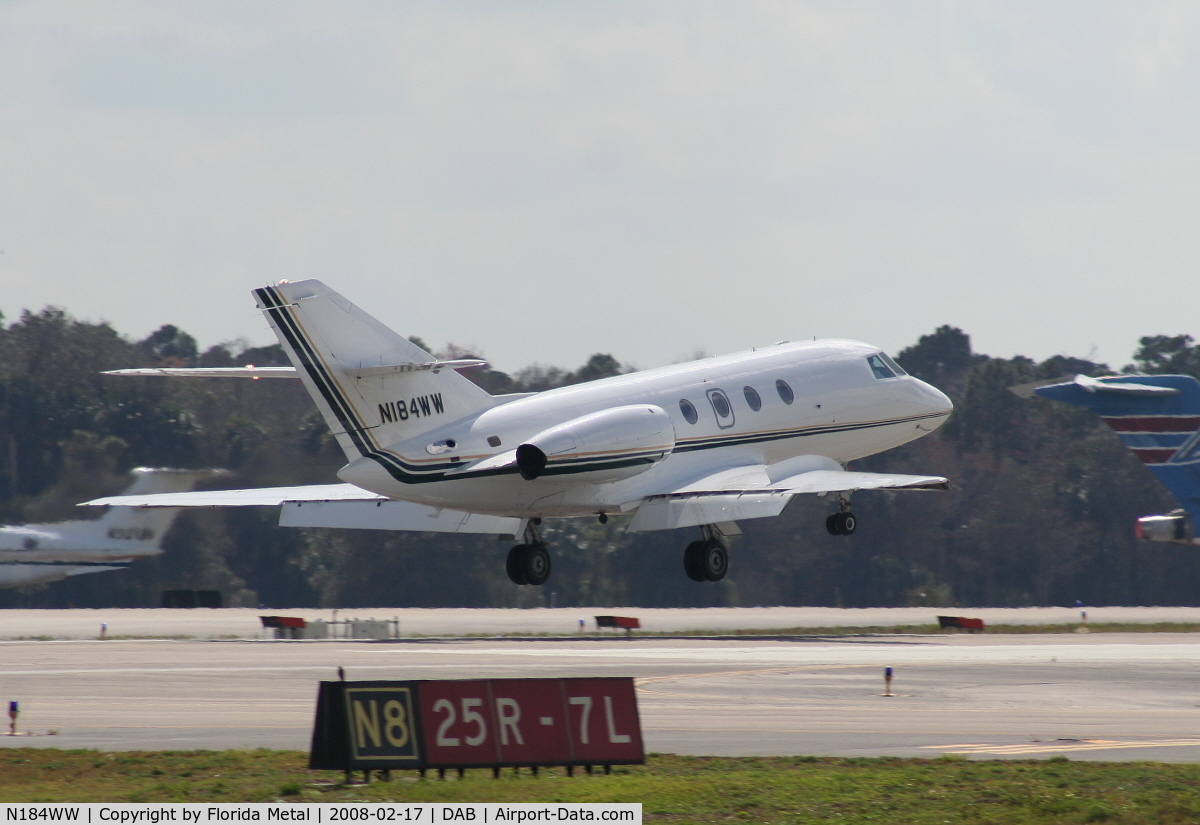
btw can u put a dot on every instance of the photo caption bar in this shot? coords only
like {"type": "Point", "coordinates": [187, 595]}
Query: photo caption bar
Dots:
{"type": "Point", "coordinates": [320, 813]}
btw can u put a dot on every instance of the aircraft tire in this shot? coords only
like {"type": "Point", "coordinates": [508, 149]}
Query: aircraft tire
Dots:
{"type": "Point", "coordinates": [535, 564]}
{"type": "Point", "coordinates": [513, 565]}
{"type": "Point", "coordinates": [693, 561]}
{"type": "Point", "coordinates": [714, 561]}
{"type": "Point", "coordinates": [842, 524]}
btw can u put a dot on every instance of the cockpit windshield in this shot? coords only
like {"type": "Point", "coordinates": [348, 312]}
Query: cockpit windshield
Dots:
{"type": "Point", "coordinates": [896, 368]}
{"type": "Point", "coordinates": [884, 367]}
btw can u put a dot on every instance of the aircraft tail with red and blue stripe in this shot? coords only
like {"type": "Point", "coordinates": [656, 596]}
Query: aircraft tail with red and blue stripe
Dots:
{"type": "Point", "coordinates": [1158, 418]}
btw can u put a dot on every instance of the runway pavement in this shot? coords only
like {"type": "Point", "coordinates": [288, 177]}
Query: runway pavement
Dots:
{"type": "Point", "coordinates": [1094, 696]}
{"type": "Point", "coordinates": [243, 623]}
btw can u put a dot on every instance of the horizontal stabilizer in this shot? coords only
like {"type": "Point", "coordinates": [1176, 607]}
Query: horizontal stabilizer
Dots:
{"type": "Point", "coordinates": [258, 497]}
{"type": "Point", "coordinates": [1123, 387]}
{"type": "Point", "coordinates": [393, 515]}
{"type": "Point", "coordinates": [1119, 385]}
{"type": "Point", "coordinates": [1030, 389]}
{"type": "Point", "coordinates": [212, 372]}
{"type": "Point", "coordinates": [436, 366]}
{"type": "Point", "coordinates": [290, 372]}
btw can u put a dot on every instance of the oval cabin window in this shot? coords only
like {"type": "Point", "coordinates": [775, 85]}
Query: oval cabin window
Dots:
{"type": "Point", "coordinates": [752, 399]}
{"type": "Point", "coordinates": [689, 411]}
{"type": "Point", "coordinates": [785, 392]}
{"type": "Point", "coordinates": [720, 404]}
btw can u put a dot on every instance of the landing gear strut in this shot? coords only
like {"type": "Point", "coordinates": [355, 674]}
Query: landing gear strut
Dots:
{"type": "Point", "coordinates": [529, 563]}
{"type": "Point", "coordinates": [843, 522]}
{"type": "Point", "coordinates": [706, 560]}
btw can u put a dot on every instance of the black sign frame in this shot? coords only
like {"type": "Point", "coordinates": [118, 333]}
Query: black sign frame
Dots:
{"type": "Point", "coordinates": [356, 723]}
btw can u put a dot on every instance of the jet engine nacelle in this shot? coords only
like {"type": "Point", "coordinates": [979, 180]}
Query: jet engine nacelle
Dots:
{"type": "Point", "coordinates": [604, 446]}
{"type": "Point", "coordinates": [1172, 527]}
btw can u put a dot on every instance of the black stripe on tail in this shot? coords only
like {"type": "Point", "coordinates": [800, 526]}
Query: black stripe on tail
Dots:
{"type": "Point", "coordinates": [276, 308]}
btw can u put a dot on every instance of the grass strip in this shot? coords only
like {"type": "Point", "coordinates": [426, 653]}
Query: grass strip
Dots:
{"type": "Point", "coordinates": [678, 789]}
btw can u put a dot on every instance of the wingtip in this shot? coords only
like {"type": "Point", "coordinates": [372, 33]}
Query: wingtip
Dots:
{"type": "Point", "coordinates": [1030, 389]}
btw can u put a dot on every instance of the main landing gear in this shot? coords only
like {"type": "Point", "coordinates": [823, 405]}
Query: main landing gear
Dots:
{"type": "Point", "coordinates": [706, 560]}
{"type": "Point", "coordinates": [843, 522]}
{"type": "Point", "coordinates": [529, 563]}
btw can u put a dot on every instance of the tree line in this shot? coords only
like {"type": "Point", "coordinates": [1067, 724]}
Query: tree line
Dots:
{"type": "Point", "coordinates": [1041, 513]}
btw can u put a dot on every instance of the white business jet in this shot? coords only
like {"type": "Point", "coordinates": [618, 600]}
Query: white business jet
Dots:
{"type": "Point", "coordinates": [33, 553]}
{"type": "Point", "coordinates": [700, 444]}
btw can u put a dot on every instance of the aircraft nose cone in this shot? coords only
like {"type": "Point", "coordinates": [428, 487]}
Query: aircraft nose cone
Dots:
{"type": "Point", "coordinates": [933, 399]}
{"type": "Point", "coordinates": [944, 404]}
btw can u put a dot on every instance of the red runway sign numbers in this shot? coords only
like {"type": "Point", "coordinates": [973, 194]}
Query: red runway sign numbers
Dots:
{"type": "Point", "coordinates": [458, 723]}
{"type": "Point", "coordinates": [533, 722]}
{"type": "Point", "coordinates": [604, 719]}
{"type": "Point", "coordinates": [477, 723]}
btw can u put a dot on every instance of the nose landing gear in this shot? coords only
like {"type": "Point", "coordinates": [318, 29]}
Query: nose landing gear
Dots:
{"type": "Point", "coordinates": [706, 560]}
{"type": "Point", "coordinates": [529, 563]}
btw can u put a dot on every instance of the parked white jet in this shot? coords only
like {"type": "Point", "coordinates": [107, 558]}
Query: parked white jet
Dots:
{"type": "Point", "coordinates": [698, 444]}
{"type": "Point", "coordinates": [32, 553]}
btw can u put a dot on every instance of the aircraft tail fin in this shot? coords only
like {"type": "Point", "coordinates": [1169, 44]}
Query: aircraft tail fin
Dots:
{"type": "Point", "coordinates": [373, 386]}
{"type": "Point", "coordinates": [1158, 418]}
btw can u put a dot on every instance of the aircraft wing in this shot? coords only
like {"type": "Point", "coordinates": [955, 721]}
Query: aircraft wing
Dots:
{"type": "Point", "coordinates": [393, 515]}
{"type": "Point", "coordinates": [845, 481]}
{"type": "Point", "coordinates": [747, 492]}
{"type": "Point", "coordinates": [258, 497]}
{"type": "Point", "coordinates": [331, 505]}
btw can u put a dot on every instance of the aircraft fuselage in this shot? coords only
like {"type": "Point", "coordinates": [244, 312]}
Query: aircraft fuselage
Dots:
{"type": "Point", "coordinates": [821, 398]}
{"type": "Point", "coordinates": [37, 553]}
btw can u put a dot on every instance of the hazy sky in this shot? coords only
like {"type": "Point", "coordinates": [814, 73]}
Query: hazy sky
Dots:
{"type": "Point", "coordinates": [544, 180]}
